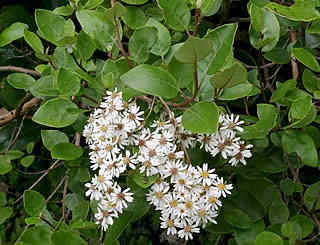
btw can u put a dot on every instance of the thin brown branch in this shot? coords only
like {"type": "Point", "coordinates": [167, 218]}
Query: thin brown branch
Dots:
{"type": "Point", "coordinates": [294, 64]}
{"type": "Point", "coordinates": [57, 188]}
{"type": "Point", "coordinates": [20, 69]}
{"type": "Point", "coordinates": [65, 188]}
{"type": "Point", "coordinates": [90, 98]}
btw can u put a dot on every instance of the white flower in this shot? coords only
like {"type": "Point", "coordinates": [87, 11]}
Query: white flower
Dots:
{"type": "Point", "coordinates": [93, 192]}
{"type": "Point", "coordinates": [191, 205]}
{"type": "Point", "coordinates": [219, 146]}
{"type": "Point", "coordinates": [173, 170]}
{"type": "Point", "coordinates": [157, 196]}
{"type": "Point", "coordinates": [172, 203]}
{"type": "Point", "coordinates": [133, 116]}
{"type": "Point", "coordinates": [206, 141]}
{"type": "Point", "coordinates": [102, 181]}
{"type": "Point", "coordinates": [187, 230]}
{"type": "Point", "coordinates": [104, 217]}
{"type": "Point", "coordinates": [206, 176]}
{"type": "Point", "coordinates": [211, 199]}
{"type": "Point", "coordinates": [121, 198]}
{"type": "Point", "coordinates": [183, 181]}
{"type": "Point", "coordinates": [169, 223]}
{"type": "Point", "coordinates": [221, 187]}
{"type": "Point", "coordinates": [204, 215]}
{"type": "Point", "coordinates": [147, 166]}
{"type": "Point", "coordinates": [130, 161]}
{"type": "Point", "coordinates": [232, 123]}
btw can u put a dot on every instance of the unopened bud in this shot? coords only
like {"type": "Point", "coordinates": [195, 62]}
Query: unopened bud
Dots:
{"type": "Point", "coordinates": [199, 2]}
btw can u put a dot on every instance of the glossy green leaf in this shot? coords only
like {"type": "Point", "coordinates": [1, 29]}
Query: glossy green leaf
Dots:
{"type": "Point", "coordinates": [5, 213]}
{"type": "Point", "coordinates": [66, 151]}
{"type": "Point", "coordinates": [3, 198]}
{"type": "Point", "coordinates": [144, 181]}
{"type": "Point", "coordinates": [151, 80]}
{"type": "Point", "coordinates": [68, 83]}
{"type": "Point", "coordinates": [270, 29]}
{"type": "Point", "coordinates": [305, 224]}
{"type": "Point", "coordinates": [37, 235]}
{"type": "Point", "coordinates": [282, 89]}
{"type": "Point", "coordinates": [13, 32]}
{"type": "Point", "coordinates": [306, 58]}
{"type": "Point", "coordinates": [238, 91]}
{"type": "Point", "coordinates": [20, 80]}
{"type": "Point", "coordinates": [141, 42]}
{"type": "Point", "coordinates": [248, 236]}
{"type": "Point", "coordinates": [135, 2]}
{"type": "Point", "coordinates": [14, 154]}
{"type": "Point", "coordinates": [287, 229]}
{"type": "Point", "coordinates": [312, 195]}
{"type": "Point", "coordinates": [193, 50]}
{"type": "Point", "coordinates": [44, 87]}
{"type": "Point", "coordinates": [134, 18]}
{"type": "Point", "coordinates": [222, 38]}
{"type": "Point", "coordinates": [183, 73]}
{"type": "Point", "coordinates": [5, 164]}
{"type": "Point", "coordinates": [300, 108]}
{"type": "Point", "coordinates": [54, 113]}
{"type": "Point", "coordinates": [278, 55]}
{"type": "Point", "coordinates": [287, 186]}
{"type": "Point", "coordinates": [206, 6]}
{"type": "Point", "coordinates": [269, 164]}
{"type": "Point", "coordinates": [176, 14]}
{"type": "Point", "coordinates": [310, 81]}
{"type": "Point", "coordinates": [268, 238]}
{"type": "Point", "coordinates": [83, 174]}
{"type": "Point", "coordinates": [230, 77]}
{"type": "Point", "coordinates": [237, 218]}
{"type": "Point", "coordinates": [278, 211]}
{"type": "Point", "coordinates": [85, 45]}
{"type": "Point", "coordinates": [64, 237]}
{"type": "Point", "coordinates": [51, 25]}
{"type": "Point", "coordinates": [139, 207]}
{"type": "Point", "coordinates": [27, 160]}
{"type": "Point", "coordinates": [34, 41]}
{"type": "Point", "coordinates": [163, 43]}
{"type": "Point", "coordinates": [302, 10]}
{"type": "Point", "coordinates": [116, 11]}
{"type": "Point", "coordinates": [32, 220]}
{"type": "Point", "coordinates": [34, 203]}
{"type": "Point", "coordinates": [256, 14]}
{"type": "Point", "coordinates": [302, 144]}
{"type": "Point", "coordinates": [201, 117]}
{"type": "Point", "coordinates": [83, 225]}
{"type": "Point", "coordinates": [52, 137]}
{"type": "Point", "coordinates": [91, 4]}
{"type": "Point", "coordinates": [64, 10]}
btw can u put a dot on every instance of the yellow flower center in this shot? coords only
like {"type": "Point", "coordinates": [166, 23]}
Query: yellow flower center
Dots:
{"type": "Point", "coordinates": [126, 160]}
{"type": "Point", "coordinates": [182, 182]}
{"type": "Point", "coordinates": [173, 203]}
{"type": "Point", "coordinates": [212, 199]}
{"type": "Point", "coordinates": [187, 228]}
{"type": "Point", "coordinates": [159, 195]}
{"type": "Point", "coordinates": [189, 204]}
{"type": "Point", "coordinates": [147, 164]}
{"type": "Point", "coordinates": [101, 178]}
{"type": "Point", "coordinates": [170, 223]}
{"type": "Point", "coordinates": [202, 212]}
{"type": "Point", "coordinates": [221, 187]}
{"type": "Point", "coordinates": [109, 147]}
{"type": "Point", "coordinates": [204, 174]}
{"type": "Point", "coordinates": [103, 128]}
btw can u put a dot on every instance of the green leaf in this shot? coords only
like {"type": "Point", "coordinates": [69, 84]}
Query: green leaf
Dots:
{"type": "Point", "coordinates": [34, 203]}
{"type": "Point", "coordinates": [54, 113]}
{"type": "Point", "coordinates": [12, 33]}
{"type": "Point", "coordinates": [300, 108]}
{"type": "Point", "coordinates": [64, 10]}
{"type": "Point", "coordinates": [230, 77]}
{"type": "Point", "coordinates": [3, 199]}
{"type": "Point", "coordinates": [176, 14]}
{"type": "Point", "coordinates": [136, 2]}
{"type": "Point", "coordinates": [163, 43]}
{"type": "Point", "coordinates": [135, 17]}
{"type": "Point", "coordinates": [5, 213]}
{"type": "Point", "coordinates": [239, 91]}
{"type": "Point", "coordinates": [202, 117]}
{"type": "Point", "coordinates": [81, 210]}
{"type": "Point", "coordinates": [278, 211]}
{"type": "Point", "coordinates": [20, 80]}
{"type": "Point", "coordinates": [278, 55]}
{"type": "Point", "coordinates": [44, 87]}
{"type": "Point", "coordinates": [193, 50]}
{"type": "Point", "coordinates": [302, 144]}
{"type": "Point", "coordinates": [141, 42]}
{"type": "Point", "coordinates": [237, 218]}
{"type": "Point", "coordinates": [268, 238]}
{"type": "Point", "coordinates": [116, 11]}
{"type": "Point", "coordinates": [270, 30]}
{"type": "Point", "coordinates": [97, 26]}
{"type": "Point", "coordinates": [283, 89]}
{"type": "Point", "coordinates": [5, 164]}
{"type": "Point", "coordinates": [14, 154]}
{"type": "Point", "coordinates": [52, 137]}
{"type": "Point", "coordinates": [144, 181]}
{"type": "Point", "coordinates": [30, 147]}
{"type": "Point", "coordinates": [83, 225]}
{"type": "Point", "coordinates": [34, 41]}
{"type": "Point", "coordinates": [27, 160]}
{"type": "Point", "coordinates": [32, 220]}
{"type": "Point", "coordinates": [256, 14]}
{"type": "Point", "coordinates": [248, 236]}
{"type": "Point", "coordinates": [64, 237]}
{"type": "Point", "coordinates": [305, 224]}
{"type": "Point", "coordinates": [83, 174]}
{"type": "Point", "coordinates": [38, 235]}
{"type": "Point", "coordinates": [287, 186]}
{"type": "Point", "coordinates": [269, 164]}
{"type": "Point", "coordinates": [68, 83]}
{"type": "Point", "coordinates": [66, 151]}
{"type": "Point", "coordinates": [85, 45]}
{"type": "Point", "coordinates": [302, 10]}
{"type": "Point", "coordinates": [114, 231]}
{"type": "Point", "coordinates": [312, 195]}
{"type": "Point", "coordinates": [151, 80]}
{"type": "Point", "coordinates": [51, 25]}
{"type": "Point", "coordinates": [287, 229]}
{"type": "Point", "coordinates": [91, 4]}
{"type": "Point", "coordinates": [222, 38]}
{"type": "Point", "coordinates": [306, 58]}
{"type": "Point", "coordinates": [182, 72]}
{"type": "Point", "coordinates": [310, 81]}
{"type": "Point", "coordinates": [206, 6]}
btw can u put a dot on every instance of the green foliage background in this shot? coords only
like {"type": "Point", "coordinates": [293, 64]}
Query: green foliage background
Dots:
{"type": "Point", "coordinates": [258, 59]}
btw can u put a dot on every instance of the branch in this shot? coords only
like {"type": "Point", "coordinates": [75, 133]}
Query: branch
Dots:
{"type": "Point", "coordinates": [20, 69]}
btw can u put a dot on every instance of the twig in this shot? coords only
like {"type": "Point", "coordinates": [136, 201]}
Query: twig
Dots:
{"type": "Point", "coordinates": [150, 110]}
{"type": "Point", "coordinates": [77, 62]}
{"type": "Point", "coordinates": [65, 188]}
{"type": "Point", "coordinates": [90, 98]}
{"type": "Point", "coordinates": [20, 69]}
{"type": "Point", "coordinates": [260, 58]}
{"type": "Point", "coordinates": [11, 143]}
{"type": "Point", "coordinates": [36, 173]}
{"type": "Point", "coordinates": [294, 64]}
{"type": "Point", "coordinates": [198, 18]}
{"type": "Point", "coordinates": [38, 180]}
{"type": "Point", "coordinates": [57, 188]}
{"type": "Point", "coordinates": [46, 221]}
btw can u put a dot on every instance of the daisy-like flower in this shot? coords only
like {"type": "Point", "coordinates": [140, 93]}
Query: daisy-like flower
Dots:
{"type": "Point", "coordinates": [147, 166]}
{"type": "Point", "coordinates": [221, 187]}
{"type": "Point", "coordinates": [173, 154]}
{"type": "Point", "coordinates": [206, 176]}
{"type": "Point", "coordinates": [171, 206]}
{"type": "Point", "coordinates": [187, 230]}
{"type": "Point", "coordinates": [206, 141]}
{"type": "Point", "coordinates": [121, 198]}
{"type": "Point", "coordinates": [173, 169]}
{"type": "Point", "coordinates": [157, 196]}
{"type": "Point", "coordinates": [102, 181]}
{"type": "Point", "coordinates": [169, 223]}
{"type": "Point", "coordinates": [241, 154]}
{"type": "Point", "coordinates": [93, 192]}
{"type": "Point", "coordinates": [219, 146]}
{"type": "Point", "coordinates": [232, 123]}
{"type": "Point", "coordinates": [204, 215]}
{"type": "Point", "coordinates": [191, 205]}
{"type": "Point", "coordinates": [211, 200]}
{"type": "Point", "coordinates": [104, 217]}
{"type": "Point", "coordinates": [132, 116]}
{"type": "Point", "coordinates": [182, 182]}
{"type": "Point", "coordinates": [130, 161]}
{"type": "Point", "coordinates": [164, 140]}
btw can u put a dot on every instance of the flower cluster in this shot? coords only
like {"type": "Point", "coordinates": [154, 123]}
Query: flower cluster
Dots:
{"type": "Point", "coordinates": [187, 196]}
